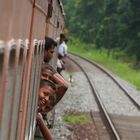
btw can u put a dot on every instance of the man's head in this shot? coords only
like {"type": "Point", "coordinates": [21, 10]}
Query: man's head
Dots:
{"type": "Point", "coordinates": [46, 95]}
{"type": "Point", "coordinates": [62, 37]}
{"type": "Point", "coordinates": [50, 45]}
{"type": "Point", "coordinates": [66, 39]}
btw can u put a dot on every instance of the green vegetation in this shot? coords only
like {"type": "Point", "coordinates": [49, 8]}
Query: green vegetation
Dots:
{"type": "Point", "coordinates": [114, 27]}
{"type": "Point", "coordinates": [76, 119]}
{"type": "Point", "coordinates": [118, 66]}
{"type": "Point", "coordinates": [109, 24]}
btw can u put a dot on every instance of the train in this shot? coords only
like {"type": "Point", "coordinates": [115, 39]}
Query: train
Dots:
{"type": "Point", "coordinates": [24, 25]}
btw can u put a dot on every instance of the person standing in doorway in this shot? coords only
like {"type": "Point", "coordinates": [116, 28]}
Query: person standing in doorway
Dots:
{"type": "Point", "coordinates": [52, 87]}
{"type": "Point", "coordinates": [62, 53]}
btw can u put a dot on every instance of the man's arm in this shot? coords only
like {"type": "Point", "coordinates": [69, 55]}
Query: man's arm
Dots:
{"type": "Point", "coordinates": [61, 84]}
{"type": "Point", "coordinates": [62, 87]}
{"type": "Point", "coordinates": [44, 130]}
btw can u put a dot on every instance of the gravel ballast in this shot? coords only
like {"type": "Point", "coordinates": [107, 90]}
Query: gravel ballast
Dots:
{"type": "Point", "coordinates": [79, 98]}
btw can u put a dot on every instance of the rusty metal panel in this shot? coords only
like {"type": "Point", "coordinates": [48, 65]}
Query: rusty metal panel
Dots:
{"type": "Point", "coordinates": [13, 79]}
{"type": "Point", "coordinates": [18, 96]}
{"type": "Point", "coordinates": [17, 86]}
{"type": "Point", "coordinates": [61, 20]}
{"type": "Point", "coordinates": [39, 25]}
{"type": "Point", "coordinates": [3, 74]}
{"type": "Point", "coordinates": [49, 31]}
{"type": "Point", "coordinates": [30, 101]}
{"type": "Point", "coordinates": [54, 4]}
{"type": "Point", "coordinates": [14, 64]}
{"type": "Point", "coordinates": [56, 22]}
{"type": "Point", "coordinates": [34, 92]}
{"type": "Point", "coordinates": [14, 22]}
{"type": "Point", "coordinates": [11, 90]}
{"type": "Point", "coordinates": [10, 54]}
{"type": "Point", "coordinates": [24, 64]}
{"type": "Point", "coordinates": [35, 88]}
{"type": "Point", "coordinates": [31, 98]}
{"type": "Point", "coordinates": [13, 109]}
{"type": "Point", "coordinates": [42, 5]}
{"type": "Point", "coordinates": [26, 91]}
{"type": "Point", "coordinates": [1, 62]}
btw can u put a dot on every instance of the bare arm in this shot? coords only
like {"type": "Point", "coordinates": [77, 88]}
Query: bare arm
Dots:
{"type": "Point", "coordinates": [44, 130]}
{"type": "Point", "coordinates": [62, 87]}
{"type": "Point", "coordinates": [61, 84]}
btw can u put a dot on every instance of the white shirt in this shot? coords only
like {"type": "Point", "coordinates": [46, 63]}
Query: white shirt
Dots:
{"type": "Point", "coordinates": [62, 49]}
{"type": "Point", "coordinates": [59, 65]}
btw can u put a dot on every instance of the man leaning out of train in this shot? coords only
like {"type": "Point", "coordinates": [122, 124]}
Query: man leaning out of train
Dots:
{"type": "Point", "coordinates": [52, 87]}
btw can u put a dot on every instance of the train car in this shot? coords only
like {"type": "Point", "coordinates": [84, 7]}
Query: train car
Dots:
{"type": "Point", "coordinates": [24, 24]}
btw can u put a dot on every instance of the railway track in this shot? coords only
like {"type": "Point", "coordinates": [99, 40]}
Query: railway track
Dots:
{"type": "Point", "coordinates": [119, 125]}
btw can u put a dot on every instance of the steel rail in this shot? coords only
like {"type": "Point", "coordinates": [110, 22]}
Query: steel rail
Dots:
{"type": "Point", "coordinates": [100, 103]}
{"type": "Point", "coordinates": [113, 78]}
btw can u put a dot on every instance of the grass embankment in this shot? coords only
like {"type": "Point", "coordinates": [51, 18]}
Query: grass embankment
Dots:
{"type": "Point", "coordinates": [119, 67]}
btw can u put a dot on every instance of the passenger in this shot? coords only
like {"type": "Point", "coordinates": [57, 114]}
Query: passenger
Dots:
{"type": "Point", "coordinates": [44, 130]}
{"type": "Point", "coordinates": [52, 87]}
{"type": "Point", "coordinates": [62, 53]}
{"type": "Point", "coordinates": [44, 106]}
{"type": "Point", "coordinates": [60, 64]}
{"type": "Point", "coordinates": [62, 49]}
{"type": "Point", "coordinates": [46, 96]}
{"type": "Point", "coordinates": [61, 84]}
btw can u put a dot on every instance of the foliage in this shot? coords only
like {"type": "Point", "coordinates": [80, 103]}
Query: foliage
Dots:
{"type": "Point", "coordinates": [124, 70]}
{"type": "Point", "coordinates": [110, 24]}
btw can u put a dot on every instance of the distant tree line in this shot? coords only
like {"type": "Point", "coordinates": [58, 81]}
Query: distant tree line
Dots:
{"type": "Point", "coordinates": [110, 24]}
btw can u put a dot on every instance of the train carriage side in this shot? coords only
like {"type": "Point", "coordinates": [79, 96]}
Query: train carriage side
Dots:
{"type": "Point", "coordinates": [23, 27]}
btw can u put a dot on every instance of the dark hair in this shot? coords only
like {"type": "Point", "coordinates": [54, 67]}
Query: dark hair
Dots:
{"type": "Point", "coordinates": [60, 56]}
{"type": "Point", "coordinates": [49, 43]}
{"type": "Point", "coordinates": [62, 36]}
{"type": "Point", "coordinates": [44, 82]}
{"type": "Point", "coordinates": [66, 40]}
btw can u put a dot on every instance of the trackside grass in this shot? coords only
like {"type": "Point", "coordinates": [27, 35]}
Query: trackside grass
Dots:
{"type": "Point", "coordinates": [75, 119]}
{"type": "Point", "coordinates": [119, 67]}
